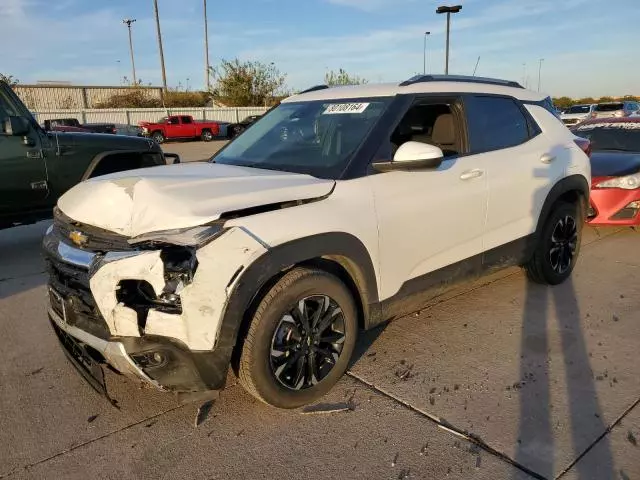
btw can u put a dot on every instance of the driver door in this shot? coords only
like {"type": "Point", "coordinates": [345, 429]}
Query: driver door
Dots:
{"type": "Point", "coordinates": [23, 175]}
{"type": "Point", "coordinates": [432, 218]}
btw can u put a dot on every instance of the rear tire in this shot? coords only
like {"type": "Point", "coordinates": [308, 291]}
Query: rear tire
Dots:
{"type": "Point", "coordinates": [287, 365]}
{"type": "Point", "coordinates": [158, 137]}
{"type": "Point", "coordinates": [558, 247]}
{"type": "Point", "coordinates": [206, 136]}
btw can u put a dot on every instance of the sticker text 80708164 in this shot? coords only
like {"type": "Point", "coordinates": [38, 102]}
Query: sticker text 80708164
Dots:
{"type": "Point", "coordinates": [336, 108]}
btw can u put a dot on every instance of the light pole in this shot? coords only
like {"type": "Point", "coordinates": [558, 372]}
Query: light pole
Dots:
{"type": "Point", "coordinates": [448, 11]}
{"type": "Point", "coordinates": [128, 22]}
{"type": "Point", "coordinates": [164, 73]}
{"type": "Point", "coordinates": [424, 54]}
{"type": "Point", "coordinates": [524, 75]}
{"type": "Point", "coordinates": [206, 50]}
{"type": "Point", "coordinates": [539, 71]}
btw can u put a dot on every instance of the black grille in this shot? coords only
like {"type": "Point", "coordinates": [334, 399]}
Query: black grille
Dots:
{"type": "Point", "coordinates": [71, 297]}
{"type": "Point", "coordinates": [97, 239]}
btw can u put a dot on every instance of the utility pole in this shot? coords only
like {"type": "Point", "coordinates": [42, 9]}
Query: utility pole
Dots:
{"type": "Point", "coordinates": [448, 11]}
{"type": "Point", "coordinates": [164, 73]}
{"type": "Point", "coordinates": [424, 54]}
{"type": "Point", "coordinates": [207, 77]}
{"type": "Point", "coordinates": [539, 71]}
{"type": "Point", "coordinates": [128, 22]}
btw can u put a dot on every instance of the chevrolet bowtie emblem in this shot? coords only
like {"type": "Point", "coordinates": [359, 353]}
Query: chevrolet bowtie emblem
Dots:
{"type": "Point", "coordinates": [78, 238]}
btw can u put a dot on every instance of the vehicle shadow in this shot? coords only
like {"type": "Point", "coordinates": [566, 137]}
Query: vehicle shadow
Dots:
{"type": "Point", "coordinates": [541, 424]}
{"type": "Point", "coordinates": [364, 342]}
{"type": "Point", "coordinates": [21, 262]}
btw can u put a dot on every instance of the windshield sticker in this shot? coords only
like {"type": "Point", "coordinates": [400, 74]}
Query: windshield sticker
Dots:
{"type": "Point", "coordinates": [621, 125]}
{"type": "Point", "coordinates": [336, 108]}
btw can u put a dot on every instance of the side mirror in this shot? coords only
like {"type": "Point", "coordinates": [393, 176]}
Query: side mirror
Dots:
{"type": "Point", "coordinates": [15, 126]}
{"type": "Point", "coordinates": [413, 156]}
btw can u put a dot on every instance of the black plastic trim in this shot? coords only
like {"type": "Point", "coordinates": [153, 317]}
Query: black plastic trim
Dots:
{"type": "Point", "coordinates": [460, 78]}
{"type": "Point", "coordinates": [340, 247]}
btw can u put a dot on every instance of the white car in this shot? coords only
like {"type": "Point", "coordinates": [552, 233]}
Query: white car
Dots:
{"type": "Point", "coordinates": [340, 209]}
{"type": "Point", "coordinates": [577, 114]}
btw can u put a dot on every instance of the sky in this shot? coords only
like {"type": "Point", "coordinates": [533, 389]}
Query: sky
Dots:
{"type": "Point", "coordinates": [589, 49]}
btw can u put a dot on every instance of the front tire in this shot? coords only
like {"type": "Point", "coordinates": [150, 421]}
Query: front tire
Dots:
{"type": "Point", "coordinates": [158, 137]}
{"type": "Point", "coordinates": [558, 247]}
{"type": "Point", "coordinates": [300, 339]}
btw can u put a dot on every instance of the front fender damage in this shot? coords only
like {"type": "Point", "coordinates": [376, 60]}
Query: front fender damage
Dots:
{"type": "Point", "coordinates": [202, 299]}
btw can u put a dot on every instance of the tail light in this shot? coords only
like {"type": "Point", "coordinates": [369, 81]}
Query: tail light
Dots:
{"type": "Point", "coordinates": [114, 130]}
{"type": "Point", "coordinates": [585, 145]}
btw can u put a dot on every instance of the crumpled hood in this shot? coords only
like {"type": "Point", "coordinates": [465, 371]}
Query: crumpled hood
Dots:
{"type": "Point", "coordinates": [180, 196]}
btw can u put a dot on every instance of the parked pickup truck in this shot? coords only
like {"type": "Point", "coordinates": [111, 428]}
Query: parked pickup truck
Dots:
{"type": "Point", "coordinates": [65, 125]}
{"type": "Point", "coordinates": [37, 167]}
{"type": "Point", "coordinates": [180, 126]}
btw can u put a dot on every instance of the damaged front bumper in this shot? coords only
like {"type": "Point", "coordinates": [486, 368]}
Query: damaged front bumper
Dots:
{"type": "Point", "coordinates": [158, 361]}
{"type": "Point", "coordinates": [122, 308]}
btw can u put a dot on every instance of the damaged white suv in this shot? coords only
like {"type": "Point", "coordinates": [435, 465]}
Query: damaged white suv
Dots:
{"type": "Point", "coordinates": [338, 210]}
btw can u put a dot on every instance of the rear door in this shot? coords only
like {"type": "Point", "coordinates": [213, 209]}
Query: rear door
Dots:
{"type": "Point", "coordinates": [521, 165]}
{"type": "Point", "coordinates": [23, 175]}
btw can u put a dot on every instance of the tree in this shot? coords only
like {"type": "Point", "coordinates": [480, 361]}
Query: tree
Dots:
{"type": "Point", "coordinates": [585, 101]}
{"type": "Point", "coordinates": [247, 84]}
{"type": "Point", "coordinates": [341, 77]}
{"type": "Point", "coordinates": [10, 79]}
{"type": "Point", "coordinates": [605, 99]}
{"type": "Point", "coordinates": [562, 102]}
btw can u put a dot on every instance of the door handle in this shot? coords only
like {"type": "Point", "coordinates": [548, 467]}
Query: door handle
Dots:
{"type": "Point", "coordinates": [469, 174]}
{"type": "Point", "coordinates": [547, 158]}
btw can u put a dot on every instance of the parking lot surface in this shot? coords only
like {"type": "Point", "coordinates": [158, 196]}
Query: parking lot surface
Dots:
{"type": "Point", "coordinates": [497, 379]}
{"type": "Point", "coordinates": [191, 151]}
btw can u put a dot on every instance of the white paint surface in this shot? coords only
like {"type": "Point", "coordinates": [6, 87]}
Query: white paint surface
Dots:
{"type": "Point", "coordinates": [203, 301]}
{"type": "Point", "coordinates": [145, 266]}
{"type": "Point", "coordinates": [180, 196]}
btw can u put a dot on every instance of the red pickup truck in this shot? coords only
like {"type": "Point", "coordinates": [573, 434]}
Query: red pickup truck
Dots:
{"type": "Point", "coordinates": [180, 126]}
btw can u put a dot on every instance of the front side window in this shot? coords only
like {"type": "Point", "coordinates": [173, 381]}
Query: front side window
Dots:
{"type": "Point", "coordinates": [316, 137]}
{"type": "Point", "coordinates": [494, 123]}
{"type": "Point", "coordinates": [186, 120]}
{"type": "Point", "coordinates": [428, 122]}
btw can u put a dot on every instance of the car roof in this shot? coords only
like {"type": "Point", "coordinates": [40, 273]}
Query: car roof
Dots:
{"type": "Point", "coordinates": [437, 86]}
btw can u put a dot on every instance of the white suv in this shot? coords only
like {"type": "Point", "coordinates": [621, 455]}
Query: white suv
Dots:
{"type": "Point", "coordinates": [338, 210]}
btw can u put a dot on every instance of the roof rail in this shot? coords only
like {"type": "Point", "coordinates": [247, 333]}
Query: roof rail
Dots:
{"type": "Point", "coordinates": [313, 89]}
{"type": "Point", "coordinates": [460, 78]}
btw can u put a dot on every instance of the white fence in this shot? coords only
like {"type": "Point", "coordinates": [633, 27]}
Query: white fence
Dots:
{"type": "Point", "coordinates": [134, 115]}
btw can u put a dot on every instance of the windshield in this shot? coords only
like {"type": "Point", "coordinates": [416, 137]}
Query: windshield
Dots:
{"type": "Point", "coordinates": [609, 107]}
{"type": "Point", "coordinates": [579, 109]}
{"type": "Point", "coordinates": [623, 136]}
{"type": "Point", "coordinates": [317, 138]}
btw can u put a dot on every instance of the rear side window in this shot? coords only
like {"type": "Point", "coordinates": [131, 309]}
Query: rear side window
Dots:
{"type": "Point", "coordinates": [609, 107]}
{"type": "Point", "coordinates": [494, 123]}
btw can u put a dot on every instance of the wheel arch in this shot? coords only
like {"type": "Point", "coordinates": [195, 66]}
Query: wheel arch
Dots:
{"type": "Point", "coordinates": [338, 253]}
{"type": "Point", "coordinates": [111, 154]}
{"type": "Point", "coordinates": [570, 189]}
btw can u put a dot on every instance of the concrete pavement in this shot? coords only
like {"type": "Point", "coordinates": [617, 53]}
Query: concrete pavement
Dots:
{"type": "Point", "coordinates": [543, 381]}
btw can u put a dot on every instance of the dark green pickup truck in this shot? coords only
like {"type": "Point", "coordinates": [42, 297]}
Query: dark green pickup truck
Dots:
{"type": "Point", "coordinates": [37, 167]}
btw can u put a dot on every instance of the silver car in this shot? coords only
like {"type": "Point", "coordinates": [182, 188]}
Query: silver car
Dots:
{"type": "Point", "coordinates": [615, 109]}
{"type": "Point", "coordinates": [577, 114]}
